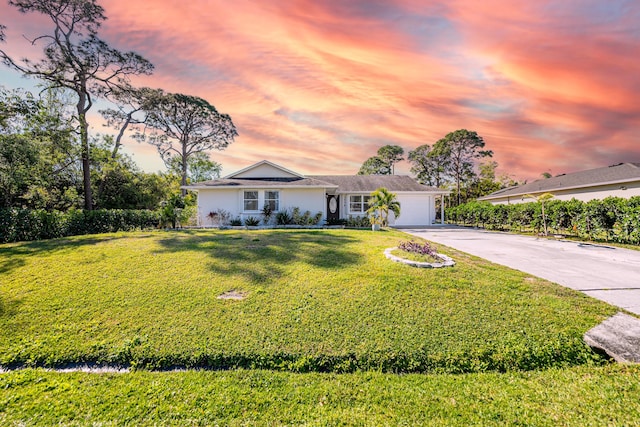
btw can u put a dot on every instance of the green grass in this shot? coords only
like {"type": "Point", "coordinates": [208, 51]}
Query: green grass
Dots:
{"type": "Point", "coordinates": [579, 396]}
{"type": "Point", "coordinates": [317, 300]}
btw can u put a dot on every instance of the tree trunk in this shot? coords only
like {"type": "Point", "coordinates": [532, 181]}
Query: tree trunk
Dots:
{"type": "Point", "coordinates": [118, 141]}
{"type": "Point", "coordinates": [84, 142]}
{"type": "Point", "coordinates": [86, 167]}
{"type": "Point", "coordinates": [183, 181]}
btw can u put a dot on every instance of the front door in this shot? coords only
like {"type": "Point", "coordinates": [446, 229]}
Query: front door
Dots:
{"type": "Point", "coordinates": [333, 207]}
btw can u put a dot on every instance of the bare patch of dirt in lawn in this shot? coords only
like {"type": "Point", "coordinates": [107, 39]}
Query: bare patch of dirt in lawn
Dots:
{"type": "Point", "coordinates": [233, 295]}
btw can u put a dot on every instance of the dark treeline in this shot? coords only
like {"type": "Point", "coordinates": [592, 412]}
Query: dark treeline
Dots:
{"type": "Point", "coordinates": [41, 177]}
{"type": "Point", "coordinates": [40, 167]}
{"type": "Point", "coordinates": [458, 162]}
{"type": "Point", "coordinates": [53, 170]}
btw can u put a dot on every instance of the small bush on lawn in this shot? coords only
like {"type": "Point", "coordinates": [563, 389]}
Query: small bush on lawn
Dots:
{"type": "Point", "coordinates": [417, 248]}
{"type": "Point", "coordinates": [417, 251]}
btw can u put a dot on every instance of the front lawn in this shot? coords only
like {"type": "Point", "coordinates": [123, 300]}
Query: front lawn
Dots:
{"type": "Point", "coordinates": [316, 300]}
{"type": "Point", "coordinates": [579, 396]}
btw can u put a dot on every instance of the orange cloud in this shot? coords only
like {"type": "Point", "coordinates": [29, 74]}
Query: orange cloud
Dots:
{"type": "Point", "coordinates": [319, 86]}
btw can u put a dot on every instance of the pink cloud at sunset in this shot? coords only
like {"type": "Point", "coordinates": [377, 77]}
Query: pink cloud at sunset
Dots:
{"type": "Point", "coordinates": [319, 86]}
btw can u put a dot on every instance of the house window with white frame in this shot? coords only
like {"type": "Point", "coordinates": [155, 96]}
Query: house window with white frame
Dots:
{"type": "Point", "coordinates": [250, 201]}
{"type": "Point", "coordinates": [358, 204]}
{"type": "Point", "coordinates": [272, 199]}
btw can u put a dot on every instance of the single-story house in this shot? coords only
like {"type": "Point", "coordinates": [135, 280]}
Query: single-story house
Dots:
{"type": "Point", "coordinates": [619, 180]}
{"type": "Point", "coordinates": [244, 194]}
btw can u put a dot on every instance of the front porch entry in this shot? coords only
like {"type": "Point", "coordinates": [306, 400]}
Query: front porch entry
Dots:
{"type": "Point", "coordinates": [333, 207]}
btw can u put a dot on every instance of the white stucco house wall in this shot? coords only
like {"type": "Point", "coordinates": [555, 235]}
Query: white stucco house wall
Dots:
{"type": "Point", "coordinates": [244, 193]}
{"type": "Point", "coordinates": [619, 180]}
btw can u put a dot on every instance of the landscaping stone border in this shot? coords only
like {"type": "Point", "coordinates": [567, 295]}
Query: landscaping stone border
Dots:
{"type": "Point", "coordinates": [446, 261]}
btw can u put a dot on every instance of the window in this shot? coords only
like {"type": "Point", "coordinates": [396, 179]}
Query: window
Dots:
{"type": "Point", "coordinates": [250, 200]}
{"type": "Point", "coordinates": [358, 204]}
{"type": "Point", "coordinates": [272, 199]}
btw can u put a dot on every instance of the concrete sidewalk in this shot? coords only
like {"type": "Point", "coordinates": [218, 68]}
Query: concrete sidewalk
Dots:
{"type": "Point", "coordinates": [604, 272]}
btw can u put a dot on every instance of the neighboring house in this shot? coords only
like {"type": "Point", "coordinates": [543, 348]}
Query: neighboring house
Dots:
{"type": "Point", "coordinates": [244, 193]}
{"type": "Point", "coordinates": [621, 180]}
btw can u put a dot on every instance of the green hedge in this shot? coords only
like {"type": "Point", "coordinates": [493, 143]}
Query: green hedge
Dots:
{"type": "Point", "coordinates": [612, 219]}
{"type": "Point", "coordinates": [28, 224]}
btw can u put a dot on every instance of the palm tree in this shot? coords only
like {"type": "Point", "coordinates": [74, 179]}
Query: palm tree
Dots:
{"type": "Point", "coordinates": [542, 198]}
{"type": "Point", "coordinates": [381, 202]}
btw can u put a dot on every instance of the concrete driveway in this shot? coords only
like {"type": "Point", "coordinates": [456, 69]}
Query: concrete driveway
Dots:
{"type": "Point", "coordinates": [604, 272]}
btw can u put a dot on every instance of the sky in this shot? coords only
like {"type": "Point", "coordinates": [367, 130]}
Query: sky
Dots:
{"type": "Point", "coordinates": [318, 86]}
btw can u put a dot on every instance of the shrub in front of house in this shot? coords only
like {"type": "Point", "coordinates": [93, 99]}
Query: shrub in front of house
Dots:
{"type": "Point", "coordinates": [219, 217]}
{"type": "Point", "coordinates": [295, 217]}
{"type": "Point", "coordinates": [336, 221]}
{"type": "Point", "coordinates": [358, 222]}
{"type": "Point", "coordinates": [267, 213]}
{"type": "Point", "coordinates": [283, 218]}
{"type": "Point", "coordinates": [251, 221]}
{"type": "Point", "coordinates": [305, 218]}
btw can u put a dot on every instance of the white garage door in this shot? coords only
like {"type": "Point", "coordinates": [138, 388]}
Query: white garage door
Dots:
{"type": "Point", "coordinates": [414, 210]}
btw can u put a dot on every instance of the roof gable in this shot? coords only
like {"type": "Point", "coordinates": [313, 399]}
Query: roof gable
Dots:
{"type": "Point", "coordinates": [264, 170]}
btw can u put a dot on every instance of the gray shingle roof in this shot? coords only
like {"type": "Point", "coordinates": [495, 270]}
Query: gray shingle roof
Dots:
{"type": "Point", "coordinates": [262, 182]}
{"type": "Point", "coordinates": [623, 172]}
{"type": "Point", "coordinates": [369, 183]}
{"type": "Point", "coordinates": [344, 183]}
